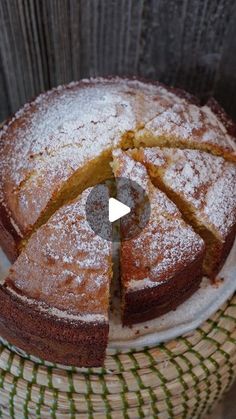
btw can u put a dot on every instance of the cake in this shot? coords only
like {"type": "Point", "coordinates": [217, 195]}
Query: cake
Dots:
{"type": "Point", "coordinates": [54, 304]}
{"type": "Point", "coordinates": [162, 266]}
{"type": "Point", "coordinates": [61, 143]}
{"type": "Point", "coordinates": [55, 301]}
{"type": "Point", "coordinates": [204, 188]}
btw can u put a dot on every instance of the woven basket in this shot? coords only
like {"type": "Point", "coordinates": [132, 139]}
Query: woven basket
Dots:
{"type": "Point", "coordinates": [183, 378]}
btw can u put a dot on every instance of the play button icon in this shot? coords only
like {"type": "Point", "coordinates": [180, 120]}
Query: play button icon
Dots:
{"type": "Point", "coordinates": [117, 205]}
{"type": "Point", "coordinates": [117, 210]}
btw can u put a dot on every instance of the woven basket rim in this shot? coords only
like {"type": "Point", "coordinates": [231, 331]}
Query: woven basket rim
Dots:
{"type": "Point", "coordinates": [182, 377]}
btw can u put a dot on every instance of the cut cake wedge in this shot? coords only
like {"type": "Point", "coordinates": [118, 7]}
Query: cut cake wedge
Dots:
{"type": "Point", "coordinates": [203, 187]}
{"type": "Point", "coordinates": [54, 303]}
{"type": "Point", "coordinates": [162, 266]}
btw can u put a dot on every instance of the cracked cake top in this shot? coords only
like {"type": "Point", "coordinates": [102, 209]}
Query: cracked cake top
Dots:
{"type": "Point", "coordinates": [67, 130]}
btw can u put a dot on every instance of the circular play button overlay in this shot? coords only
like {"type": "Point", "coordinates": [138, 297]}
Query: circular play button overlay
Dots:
{"type": "Point", "coordinates": [117, 210]}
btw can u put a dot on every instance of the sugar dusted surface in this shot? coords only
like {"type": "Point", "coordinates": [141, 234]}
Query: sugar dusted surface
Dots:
{"type": "Point", "coordinates": [62, 130]}
{"type": "Point", "coordinates": [191, 124]}
{"type": "Point", "coordinates": [165, 245]}
{"type": "Point", "coordinates": [52, 137]}
{"type": "Point", "coordinates": [207, 182]}
{"type": "Point", "coordinates": [66, 266]}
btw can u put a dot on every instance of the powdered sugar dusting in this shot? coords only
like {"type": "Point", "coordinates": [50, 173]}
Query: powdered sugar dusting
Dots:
{"type": "Point", "coordinates": [207, 182]}
{"type": "Point", "coordinates": [125, 166]}
{"type": "Point", "coordinates": [165, 245]}
{"type": "Point", "coordinates": [143, 283]}
{"type": "Point", "coordinates": [52, 137]}
{"type": "Point", "coordinates": [58, 133]}
{"type": "Point", "coordinates": [65, 265]}
{"type": "Point", "coordinates": [191, 124]}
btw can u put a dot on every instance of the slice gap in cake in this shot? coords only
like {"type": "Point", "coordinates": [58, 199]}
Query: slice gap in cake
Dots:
{"type": "Point", "coordinates": [115, 289]}
{"type": "Point", "coordinates": [203, 187]}
{"type": "Point", "coordinates": [54, 304]}
{"type": "Point", "coordinates": [145, 138]}
{"type": "Point", "coordinates": [94, 172]}
{"type": "Point", "coordinates": [161, 266]}
{"type": "Point", "coordinates": [58, 145]}
{"type": "Point", "coordinates": [114, 309]}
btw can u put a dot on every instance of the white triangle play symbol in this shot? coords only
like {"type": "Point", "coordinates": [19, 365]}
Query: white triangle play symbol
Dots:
{"type": "Point", "coordinates": [117, 209]}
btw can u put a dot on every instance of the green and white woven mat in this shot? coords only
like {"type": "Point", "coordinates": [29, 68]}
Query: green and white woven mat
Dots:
{"type": "Point", "coordinates": [183, 378]}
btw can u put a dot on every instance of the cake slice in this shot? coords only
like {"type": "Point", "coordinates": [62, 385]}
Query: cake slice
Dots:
{"type": "Point", "coordinates": [204, 188]}
{"type": "Point", "coordinates": [162, 266]}
{"type": "Point", "coordinates": [186, 125]}
{"type": "Point", "coordinates": [54, 303]}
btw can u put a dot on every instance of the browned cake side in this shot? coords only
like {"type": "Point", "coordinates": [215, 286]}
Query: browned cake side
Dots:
{"type": "Point", "coordinates": [54, 303]}
{"type": "Point", "coordinates": [146, 304]}
{"type": "Point", "coordinates": [51, 338]}
{"type": "Point", "coordinates": [162, 266]}
{"type": "Point", "coordinates": [229, 124]}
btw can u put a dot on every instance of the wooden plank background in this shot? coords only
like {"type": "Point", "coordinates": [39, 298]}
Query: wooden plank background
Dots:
{"type": "Point", "coordinates": [187, 43]}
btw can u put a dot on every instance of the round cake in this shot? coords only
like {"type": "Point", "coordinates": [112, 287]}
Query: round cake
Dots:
{"type": "Point", "coordinates": [55, 300]}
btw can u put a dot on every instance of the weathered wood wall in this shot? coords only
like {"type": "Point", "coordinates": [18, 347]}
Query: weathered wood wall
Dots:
{"type": "Point", "coordinates": [187, 43]}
